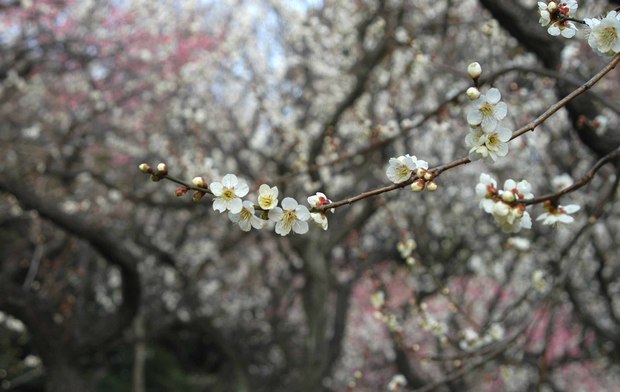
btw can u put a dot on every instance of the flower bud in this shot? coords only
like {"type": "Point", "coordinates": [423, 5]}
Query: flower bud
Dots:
{"type": "Point", "coordinates": [508, 196]}
{"type": "Point", "coordinates": [428, 176]}
{"type": "Point", "coordinates": [473, 93]}
{"type": "Point", "coordinates": [418, 186]}
{"type": "Point", "coordinates": [199, 182]}
{"type": "Point", "coordinates": [162, 169]}
{"type": "Point", "coordinates": [431, 186]}
{"type": "Point", "coordinates": [155, 178]}
{"type": "Point", "coordinates": [474, 70]}
{"type": "Point", "coordinates": [145, 168]}
{"type": "Point", "coordinates": [197, 196]}
{"type": "Point", "coordinates": [181, 191]}
{"type": "Point", "coordinates": [552, 6]}
{"type": "Point", "coordinates": [421, 172]}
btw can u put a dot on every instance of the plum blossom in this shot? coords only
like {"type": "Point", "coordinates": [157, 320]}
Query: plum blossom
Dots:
{"type": "Point", "coordinates": [267, 197]}
{"type": "Point", "coordinates": [553, 16]}
{"type": "Point", "coordinates": [316, 201]}
{"type": "Point", "coordinates": [291, 216]}
{"type": "Point", "coordinates": [487, 111]}
{"type": "Point", "coordinates": [400, 168]}
{"type": "Point", "coordinates": [228, 194]}
{"type": "Point", "coordinates": [604, 36]}
{"type": "Point", "coordinates": [558, 214]}
{"type": "Point", "coordinates": [397, 383]}
{"type": "Point", "coordinates": [246, 218]}
{"type": "Point", "coordinates": [489, 146]}
{"type": "Point", "coordinates": [509, 216]}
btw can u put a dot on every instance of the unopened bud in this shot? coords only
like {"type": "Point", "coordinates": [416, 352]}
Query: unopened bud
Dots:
{"type": "Point", "coordinates": [421, 172]}
{"type": "Point", "coordinates": [418, 186]}
{"type": "Point", "coordinates": [431, 186]}
{"type": "Point", "coordinates": [199, 182]}
{"type": "Point", "coordinates": [428, 176]}
{"type": "Point", "coordinates": [473, 93]}
{"type": "Point", "coordinates": [162, 168]}
{"type": "Point", "coordinates": [145, 168]}
{"type": "Point", "coordinates": [155, 178]}
{"type": "Point", "coordinates": [474, 70]}
{"type": "Point", "coordinates": [197, 196]}
{"type": "Point", "coordinates": [508, 196]}
{"type": "Point", "coordinates": [552, 6]}
{"type": "Point", "coordinates": [181, 191]}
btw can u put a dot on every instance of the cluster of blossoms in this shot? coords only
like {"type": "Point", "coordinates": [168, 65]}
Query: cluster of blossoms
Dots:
{"type": "Point", "coordinates": [487, 138]}
{"type": "Point", "coordinates": [507, 210]}
{"type": "Point", "coordinates": [603, 35]}
{"type": "Point", "coordinates": [555, 16]}
{"type": "Point", "coordinates": [228, 195]}
{"type": "Point", "coordinates": [471, 340]}
{"type": "Point", "coordinates": [510, 216]}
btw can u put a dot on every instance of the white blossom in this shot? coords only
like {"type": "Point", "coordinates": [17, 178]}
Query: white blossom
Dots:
{"type": "Point", "coordinates": [488, 145]}
{"type": "Point", "coordinates": [228, 194]}
{"type": "Point", "coordinates": [316, 201]}
{"type": "Point", "coordinates": [559, 214]}
{"type": "Point", "coordinates": [554, 16]}
{"type": "Point", "coordinates": [397, 383]}
{"type": "Point", "coordinates": [500, 203]}
{"type": "Point", "coordinates": [604, 35]}
{"type": "Point", "coordinates": [400, 168]}
{"type": "Point", "coordinates": [246, 218]}
{"type": "Point", "coordinates": [487, 111]}
{"type": "Point", "coordinates": [291, 216]}
{"type": "Point", "coordinates": [267, 197]}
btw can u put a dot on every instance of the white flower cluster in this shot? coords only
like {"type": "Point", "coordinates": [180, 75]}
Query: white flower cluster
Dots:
{"type": "Point", "coordinates": [511, 217]}
{"type": "Point", "coordinates": [487, 138]}
{"type": "Point", "coordinates": [397, 383]}
{"type": "Point", "coordinates": [554, 16]}
{"type": "Point", "coordinates": [603, 35]}
{"type": "Point", "coordinates": [290, 216]}
{"type": "Point", "coordinates": [509, 213]}
{"type": "Point", "coordinates": [471, 340]}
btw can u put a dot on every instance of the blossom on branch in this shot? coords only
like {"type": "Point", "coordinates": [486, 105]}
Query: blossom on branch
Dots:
{"type": "Point", "coordinates": [487, 111]}
{"type": "Point", "coordinates": [510, 216]}
{"type": "Point", "coordinates": [246, 218]}
{"type": "Point", "coordinates": [291, 216]}
{"type": "Point", "coordinates": [267, 197]}
{"type": "Point", "coordinates": [488, 145]}
{"type": "Point", "coordinates": [558, 214]}
{"type": "Point", "coordinates": [228, 194]}
{"type": "Point", "coordinates": [554, 16]}
{"type": "Point", "coordinates": [316, 201]}
{"type": "Point", "coordinates": [604, 36]}
{"type": "Point", "coordinates": [400, 168]}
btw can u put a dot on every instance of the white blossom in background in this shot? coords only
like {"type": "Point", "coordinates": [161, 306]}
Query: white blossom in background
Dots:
{"type": "Point", "coordinates": [316, 201]}
{"type": "Point", "coordinates": [400, 168]}
{"type": "Point", "coordinates": [291, 216]}
{"type": "Point", "coordinates": [539, 281]}
{"type": "Point", "coordinates": [267, 197]}
{"type": "Point", "coordinates": [559, 214]}
{"type": "Point", "coordinates": [562, 181]}
{"type": "Point", "coordinates": [604, 35]}
{"type": "Point", "coordinates": [553, 14]}
{"type": "Point", "coordinates": [488, 145]}
{"type": "Point", "coordinates": [397, 383]}
{"type": "Point", "coordinates": [470, 340]}
{"type": "Point", "coordinates": [228, 194]}
{"type": "Point", "coordinates": [246, 218]}
{"type": "Point", "coordinates": [519, 243]}
{"type": "Point", "coordinates": [487, 111]}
